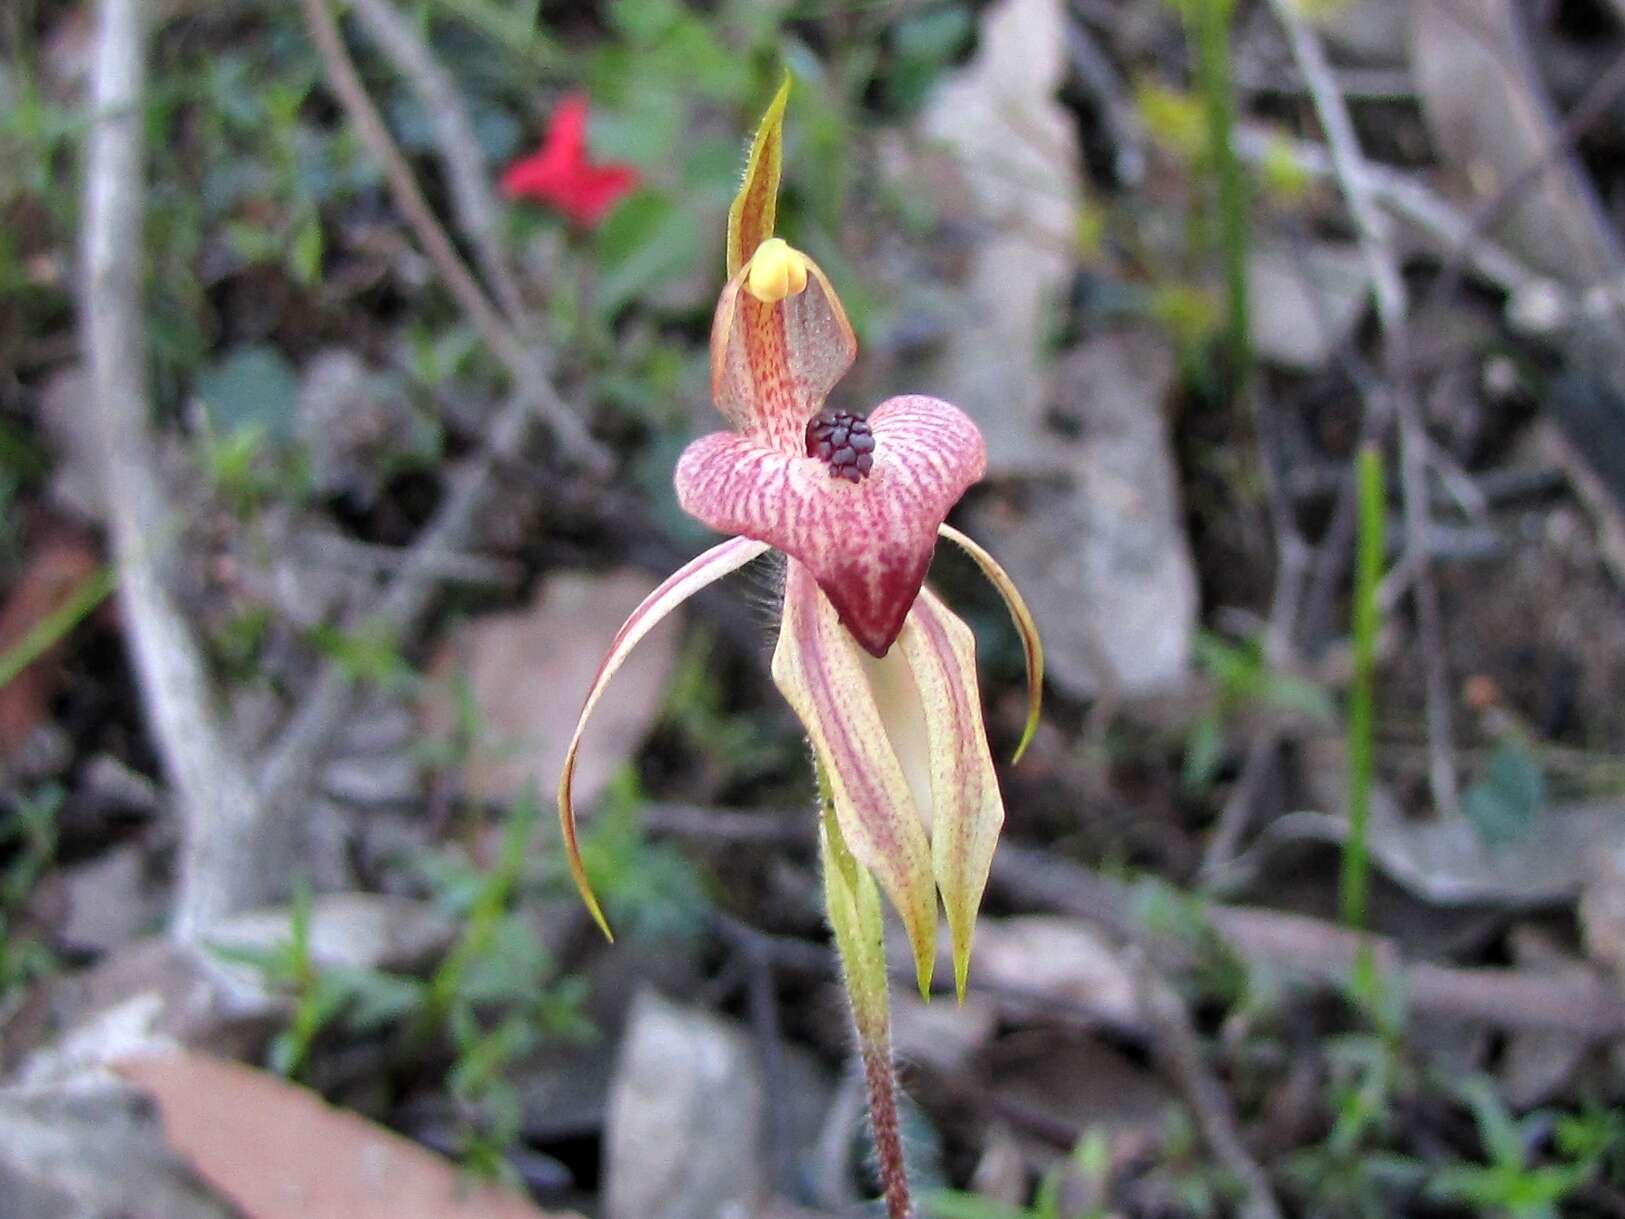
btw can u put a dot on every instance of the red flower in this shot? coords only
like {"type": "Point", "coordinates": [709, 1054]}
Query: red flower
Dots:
{"type": "Point", "coordinates": [561, 173]}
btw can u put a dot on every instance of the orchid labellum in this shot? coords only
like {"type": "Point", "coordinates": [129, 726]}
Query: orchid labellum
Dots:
{"type": "Point", "coordinates": [880, 672]}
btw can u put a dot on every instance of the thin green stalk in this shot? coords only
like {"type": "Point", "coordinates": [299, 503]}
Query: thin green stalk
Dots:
{"type": "Point", "coordinates": [1209, 23]}
{"type": "Point", "coordinates": [855, 914]}
{"type": "Point", "coordinates": [1368, 559]}
{"type": "Point", "coordinates": [81, 602]}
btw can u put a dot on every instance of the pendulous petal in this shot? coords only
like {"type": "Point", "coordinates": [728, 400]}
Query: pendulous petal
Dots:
{"type": "Point", "coordinates": [1031, 645]}
{"type": "Point", "coordinates": [967, 810]}
{"type": "Point", "coordinates": [820, 674]}
{"type": "Point", "coordinates": [868, 543]}
{"type": "Point", "coordinates": [678, 587]}
{"type": "Point", "coordinates": [774, 363]}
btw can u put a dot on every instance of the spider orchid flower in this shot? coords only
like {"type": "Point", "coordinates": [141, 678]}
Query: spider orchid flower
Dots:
{"type": "Point", "coordinates": [879, 671]}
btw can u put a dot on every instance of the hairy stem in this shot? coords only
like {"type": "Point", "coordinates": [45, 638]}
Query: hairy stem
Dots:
{"type": "Point", "coordinates": [880, 1075]}
{"type": "Point", "coordinates": [855, 914]}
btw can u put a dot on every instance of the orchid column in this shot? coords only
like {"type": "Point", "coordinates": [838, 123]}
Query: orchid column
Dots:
{"type": "Point", "coordinates": [881, 674]}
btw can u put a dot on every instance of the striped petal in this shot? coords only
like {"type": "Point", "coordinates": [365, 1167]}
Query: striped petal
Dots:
{"type": "Point", "coordinates": [1031, 645]}
{"type": "Point", "coordinates": [966, 809]}
{"type": "Point", "coordinates": [821, 676]}
{"type": "Point", "coordinates": [682, 584]}
{"type": "Point", "coordinates": [869, 543]}
{"type": "Point", "coordinates": [774, 363]}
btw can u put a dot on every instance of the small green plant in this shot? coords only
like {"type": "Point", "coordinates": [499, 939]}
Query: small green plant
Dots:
{"type": "Point", "coordinates": [494, 997]}
{"type": "Point", "coordinates": [1349, 1172]}
{"type": "Point", "coordinates": [29, 836]}
{"type": "Point", "coordinates": [318, 997]}
{"type": "Point", "coordinates": [1510, 1183]}
{"type": "Point", "coordinates": [1243, 678]}
{"type": "Point", "coordinates": [1075, 1188]}
{"type": "Point", "coordinates": [1208, 24]}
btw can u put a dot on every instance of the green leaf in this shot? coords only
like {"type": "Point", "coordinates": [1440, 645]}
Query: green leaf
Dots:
{"type": "Point", "coordinates": [1505, 805]}
{"type": "Point", "coordinates": [252, 388]}
{"type": "Point", "coordinates": [305, 253]}
{"type": "Point", "coordinates": [644, 243]}
{"type": "Point", "coordinates": [1204, 751]}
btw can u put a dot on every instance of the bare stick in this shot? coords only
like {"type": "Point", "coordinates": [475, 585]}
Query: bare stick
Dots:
{"type": "Point", "coordinates": [1497, 998]}
{"type": "Point", "coordinates": [224, 860]}
{"type": "Point", "coordinates": [1388, 287]}
{"type": "Point", "coordinates": [1180, 1054]}
{"type": "Point", "coordinates": [528, 370]}
{"type": "Point", "coordinates": [466, 172]}
{"type": "Point", "coordinates": [288, 770]}
{"type": "Point", "coordinates": [1403, 196]}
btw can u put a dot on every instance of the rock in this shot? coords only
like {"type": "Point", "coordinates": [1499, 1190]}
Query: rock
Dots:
{"type": "Point", "coordinates": [1602, 907]}
{"type": "Point", "coordinates": [93, 1153]}
{"type": "Point", "coordinates": [1372, 31]}
{"type": "Point", "coordinates": [1102, 557]}
{"type": "Point", "coordinates": [1056, 958]}
{"type": "Point", "coordinates": [1304, 301]}
{"type": "Point", "coordinates": [347, 930]}
{"type": "Point", "coordinates": [154, 993]}
{"type": "Point", "coordinates": [1491, 121]}
{"type": "Point", "coordinates": [1011, 151]}
{"type": "Point", "coordinates": [527, 672]}
{"type": "Point", "coordinates": [150, 993]}
{"type": "Point", "coordinates": [76, 474]}
{"type": "Point", "coordinates": [355, 424]}
{"type": "Point", "coordinates": [687, 1123]}
{"type": "Point", "coordinates": [109, 901]}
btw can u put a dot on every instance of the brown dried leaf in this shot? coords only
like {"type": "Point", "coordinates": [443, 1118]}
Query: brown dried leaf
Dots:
{"type": "Point", "coordinates": [278, 1151]}
{"type": "Point", "coordinates": [528, 671]}
{"type": "Point", "coordinates": [57, 566]}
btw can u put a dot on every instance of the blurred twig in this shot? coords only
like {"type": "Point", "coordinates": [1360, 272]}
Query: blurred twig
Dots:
{"type": "Point", "coordinates": [1180, 1053]}
{"type": "Point", "coordinates": [457, 143]}
{"type": "Point", "coordinates": [528, 370]}
{"type": "Point", "coordinates": [227, 860]}
{"type": "Point", "coordinates": [288, 767]}
{"type": "Point", "coordinates": [1388, 287]}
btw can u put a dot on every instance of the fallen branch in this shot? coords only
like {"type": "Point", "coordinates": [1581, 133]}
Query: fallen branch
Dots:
{"type": "Point", "coordinates": [226, 860]}
{"type": "Point", "coordinates": [1592, 1008]}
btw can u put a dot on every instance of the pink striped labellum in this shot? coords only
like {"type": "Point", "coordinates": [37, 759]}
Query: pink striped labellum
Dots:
{"type": "Point", "coordinates": [881, 674]}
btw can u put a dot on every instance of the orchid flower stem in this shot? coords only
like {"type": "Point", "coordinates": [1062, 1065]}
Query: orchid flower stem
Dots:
{"type": "Point", "coordinates": [855, 914]}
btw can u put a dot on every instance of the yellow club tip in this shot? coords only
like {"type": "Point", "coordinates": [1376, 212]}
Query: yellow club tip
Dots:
{"type": "Point", "coordinates": [777, 270]}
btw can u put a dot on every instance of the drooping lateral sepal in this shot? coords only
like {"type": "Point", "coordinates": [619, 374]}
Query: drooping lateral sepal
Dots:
{"type": "Point", "coordinates": [678, 587]}
{"type": "Point", "coordinates": [818, 669]}
{"type": "Point", "coordinates": [853, 904]}
{"type": "Point", "coordinates": [867, 543]}
{"type": "Point", "coordinates": [966, 808]}
{"type": "Point", "coordinates": [1032, 646]}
